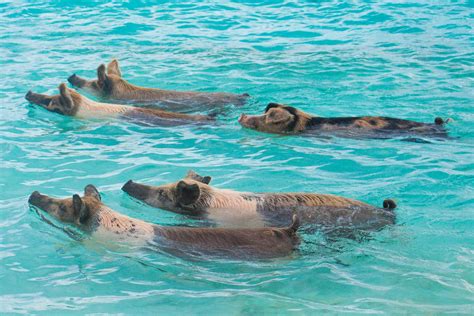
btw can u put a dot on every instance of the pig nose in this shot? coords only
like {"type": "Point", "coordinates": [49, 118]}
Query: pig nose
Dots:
{"type": "Point", "coordinates": [72, 78]}
{"type": "Point", "coordinates": [34, 196]}
{"type": "Point", "coordinates": [127, 186]}
{"type": "Point", "coordinates": [136, 190]}
{"type": "Point", "coordinates": [28, 97]}
{"type": "Point", "coordinates": [242, 116]}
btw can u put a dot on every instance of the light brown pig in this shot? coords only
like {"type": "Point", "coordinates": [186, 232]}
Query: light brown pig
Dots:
{"type": "Point", "coordinates": [194, 196]}
{"type": "Point", "coordinates": [91, 216]}
{"type": "Point", "coordinates": [69, 102]}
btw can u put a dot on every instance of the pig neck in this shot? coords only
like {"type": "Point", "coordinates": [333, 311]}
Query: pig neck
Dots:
{"type": "Point", "coordinates": [127, 90]}
{"type": "Point", "coordinates": [90, 109]}
{"type": "Point", "coordinates": [228, 199]}
{"type": "Point", "coordinates": [108, 222]}
{"type": "Point", "coordinates": [111, 226]}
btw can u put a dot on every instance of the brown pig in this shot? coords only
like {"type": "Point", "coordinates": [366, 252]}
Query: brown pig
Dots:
{"type": "Point", "coordinates": [282, 119]}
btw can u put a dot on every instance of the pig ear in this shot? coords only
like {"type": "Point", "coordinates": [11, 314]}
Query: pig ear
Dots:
{"type": "Point", "coordinates": [65, 95]}
{"type": "Point", "coordinates": [206, 179]}
{"type": "Point", "coordinates": [91, 190]}
{"type": "Point", "coordinates": [187, 194]}
{"type": "Point", "coordinates": [80, 210]}
{"type": "Point", "coordinates": [101, 75]}
{"type": "Point", "coordinates": [113, 68]}
{"type": "Point", "coordinates": [271, 105]}
{"type": "Point", "coordinates": [193, 175]}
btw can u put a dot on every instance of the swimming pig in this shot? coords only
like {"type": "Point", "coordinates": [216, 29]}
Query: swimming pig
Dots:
{"type": "Point", "coordinates": [90, 215]}
{"type": "Point", "coordinates": [195, 197]}
{"type": "Point", "coordinates": [69, 102]}
{"type": "Point", "coordinates": [286, 119]}
{"type": "Point", "coordinates": [110, 85]}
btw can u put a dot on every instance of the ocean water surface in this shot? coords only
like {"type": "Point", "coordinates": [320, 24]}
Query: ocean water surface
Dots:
{"type": "Point", "coordinates": [411, 60]}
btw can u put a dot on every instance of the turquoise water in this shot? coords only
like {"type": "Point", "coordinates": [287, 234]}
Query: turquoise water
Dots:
{"type": "Point", "coordinates": [407, 60]}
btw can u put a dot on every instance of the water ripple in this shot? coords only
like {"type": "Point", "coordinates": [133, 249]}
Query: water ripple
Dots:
{"type": "Point", "coordinates": [330, 58]}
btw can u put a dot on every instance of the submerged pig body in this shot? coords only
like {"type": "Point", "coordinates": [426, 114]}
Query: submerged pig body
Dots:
{"type": "Point", "coordinates": [193, 197]}
{"type": "Point", "coordinates": [71, 103]}
{"type": "Point", "coordinates": [89, 214]}
{"type": "Point", "coordinates": [110, 85]}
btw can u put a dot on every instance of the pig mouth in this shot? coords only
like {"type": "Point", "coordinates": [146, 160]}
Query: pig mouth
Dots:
{"type": "Point", "coordinates": [39, 99]}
